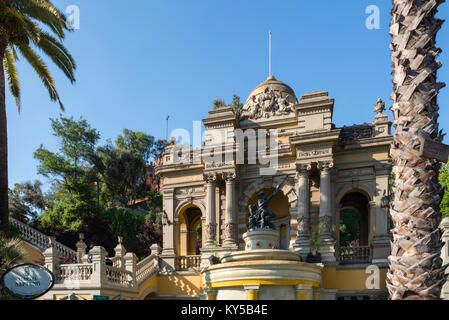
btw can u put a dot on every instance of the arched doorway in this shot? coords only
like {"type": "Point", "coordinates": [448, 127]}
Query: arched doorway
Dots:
{"type": "Point", "coordinates": [354, 220]}
{"type": "Point", "coordinates": [190, 231]}
{"type": "Point", "coordinates": [278, 205]}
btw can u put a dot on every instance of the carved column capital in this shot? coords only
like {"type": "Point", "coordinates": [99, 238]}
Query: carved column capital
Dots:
{"type": "Point", "coordinates": [210, 177]}
{"type": "Point", "coordinates": [229, 176]}
{"type": "Point", "coordinates": [303, 168]}
{"type": "Point", "coordinates": [325, 165]}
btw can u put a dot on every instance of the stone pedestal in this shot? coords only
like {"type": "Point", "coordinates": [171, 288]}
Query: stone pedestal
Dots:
{"type": "Point", "coordinates": [261, 239]}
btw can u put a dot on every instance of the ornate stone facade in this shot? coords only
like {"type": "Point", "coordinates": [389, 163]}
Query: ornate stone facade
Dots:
{"type": "Point", "coordinates": [327, 171]}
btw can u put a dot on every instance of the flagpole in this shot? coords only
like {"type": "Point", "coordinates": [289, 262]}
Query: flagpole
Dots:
{"type": "Point", "coordinates": [269, 58]}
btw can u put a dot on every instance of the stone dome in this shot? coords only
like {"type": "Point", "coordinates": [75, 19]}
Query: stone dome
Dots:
{"type": "Point", "coordinates": [277, 86]}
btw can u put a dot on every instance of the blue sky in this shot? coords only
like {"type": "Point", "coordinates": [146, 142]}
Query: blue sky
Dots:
{"type": "Point", "coordinates": [141, 60]}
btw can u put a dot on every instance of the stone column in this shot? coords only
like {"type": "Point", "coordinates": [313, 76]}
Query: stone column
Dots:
{"type": "Point", "coordinates": [169, 231]}
{"type": "Point", "coordinates": [381, 239]}
{"type": "Point", "coordinates": [51, 257]}
{"type": "Point", "coordinates": [252, 291]}
{"type": "Point", "coordinates": [99, 265]}
{"type": "Point", "coordinates": [211, 224]}
{"type": "Point", "coordinates": [231, 214]}
{"type": "Point", "coordinates": [304, 292]}
{"type": "Point", "coordinates": [120, 252]}
{"type": "Point", "coordinates": [80, 248]}
{"type": "Point", "coordinates": [130, 261]}
{"type": "Point", "coordinates": [302, 244]}
{"type": "Point", "coordinates": [327, 249]}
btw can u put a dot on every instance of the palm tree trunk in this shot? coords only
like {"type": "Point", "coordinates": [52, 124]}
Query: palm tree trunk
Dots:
{"type": "Point", "coordinates": [416, 270]}
{"type": "Point", "coordinates": [4, 211]}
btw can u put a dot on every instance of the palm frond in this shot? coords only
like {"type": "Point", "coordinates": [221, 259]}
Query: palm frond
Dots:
{"type": "Point", "coordinates": [45, 12]}
{"type": "Point", "coordinates": [42, 71]}
{"type": "Point", "coordinates": [11, 253]}
{"type": "Point", "coordinates": [58, 54]}
{"type": "Point", "coordinates": [11, 76]}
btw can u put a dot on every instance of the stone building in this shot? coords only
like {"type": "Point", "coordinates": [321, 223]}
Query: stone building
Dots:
{"type": "Point", "coordinates": [326, 178]}
{"type": "Point", "coordinates": [325, 172]}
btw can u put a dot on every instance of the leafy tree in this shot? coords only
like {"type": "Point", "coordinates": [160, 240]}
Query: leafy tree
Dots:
{"type": "Point", "coordinates": [158, 149]}
{"type": "Point", "coordinates": [444, 180]}
{"type": "Point", "coordinates": [20, 33]}
{"type": "Point", "coordinates": [155, 201]}
{"type": "Point", "coordinates": [236, 106]}
{"type": "Point", "coordinates": [71, 173]}
{"type": "Point", "coordinates": [27, 200]}
{"type": "Point", "coordinates": [135, 142]}
{"type": "Point", "coordinates": [123, 223]}
{"type": "Point", "coordinates": [122, 173]}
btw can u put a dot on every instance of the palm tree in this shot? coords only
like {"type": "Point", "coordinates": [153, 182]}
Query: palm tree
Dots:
{"type": "Point", "coordinates": [416, 270]}
{"type": "Point", "coordinates": [20, 33]}
{"type": "Point", "coordinates": [11, 253]}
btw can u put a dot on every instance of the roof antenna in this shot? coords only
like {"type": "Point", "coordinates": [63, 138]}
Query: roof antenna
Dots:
{"type": "Point", "coordinates": [269, 56]}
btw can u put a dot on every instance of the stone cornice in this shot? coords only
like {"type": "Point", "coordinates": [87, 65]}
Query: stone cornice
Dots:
{"type": "Point", "coordinates": [315, 137]}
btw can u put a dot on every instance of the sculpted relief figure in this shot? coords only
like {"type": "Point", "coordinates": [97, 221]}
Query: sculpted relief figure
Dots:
{"type": "Point", "coordinates": [265, 105]}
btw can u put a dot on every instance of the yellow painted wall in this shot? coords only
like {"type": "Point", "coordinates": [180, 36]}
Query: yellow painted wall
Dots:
{"type": "Point", "coordinates": [349, 279]}
{"type": "Point", "coordinates": [32, 254]}
{"type": "Point", "coordinates": [179, 284]}
{"type": "Point", "coordinates": [153, 282]}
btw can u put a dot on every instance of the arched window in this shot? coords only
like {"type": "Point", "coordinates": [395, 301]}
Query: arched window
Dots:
{"type": "Point", "coordinates": [354, 220]}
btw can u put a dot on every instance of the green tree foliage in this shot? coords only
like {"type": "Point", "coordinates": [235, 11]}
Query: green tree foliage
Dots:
{"type": "Point", "coordinates": [123, 223]}
{"type": "Point", "coordinates": [76, 169]}
{"type": "Point", "coordinates": [71, 173]}
{"type": "Point", "coordinates": [27, 200]}
{"type": "Point", "coordinates": [236, 105]}
{"type": "Point", "coordinates": [158, 149]}
{"type": "Point", "coordinates": [349, 227]}
{"type": "Point", "coordinates": [444, 180]}
{"type": "Point", "coordinates": [123, 175]}
{"type": "Point", "coordinates": [11, 253]}
{"type": "Point", "coordinates": [137, 143]}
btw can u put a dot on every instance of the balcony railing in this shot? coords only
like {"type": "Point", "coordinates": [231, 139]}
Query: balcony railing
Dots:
{"type": "Point", "coordinates": [354, 255]}
{"type": "Point", "coordinates": [189, 262]}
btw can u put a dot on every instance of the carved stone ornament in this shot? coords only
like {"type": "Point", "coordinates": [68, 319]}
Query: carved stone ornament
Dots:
{"type": "Point", "coordinates": [354, 133]}
{"type": "Point", "coordinates": [229, 230]}
{"type": "Point", "coordinates": [303, 168]}
{"type": "Point", "coordinates": [379, 107]}
{"type": "Point", "coordinates": [325, 225]}
{"type": "Point", "coordinates": [210, 232]}
{"type": "Point", "coordinates": [303, 226]}
{"type": "Point", "coordinates": [210, 177]}
{"type": "Point", "coordinates": [267, 104]}
{"type": "Point", "coordinates": [325, 165]}
{"type": "Point", "coordinates": [229, 176]}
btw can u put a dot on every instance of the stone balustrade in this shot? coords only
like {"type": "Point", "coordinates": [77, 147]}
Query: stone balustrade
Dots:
{"type": "Point", "coordinates": [354, 255]}
{"type": "Point", "coordinates": [147, 268]}
{"type": "Point", "coordinates": [124, 276]}
{"type": "Point", "coordinates": [189, 262]}
{"type": "Point", "coordinates": [74, 272]}
{"type": "Point", "coordinates": [118, 276]}
{"type": "Point", "coordinates": [42, 241]}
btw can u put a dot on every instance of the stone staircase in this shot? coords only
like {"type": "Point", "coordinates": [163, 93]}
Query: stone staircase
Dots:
{"type": "Point", "coordinates": [42, 241]}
